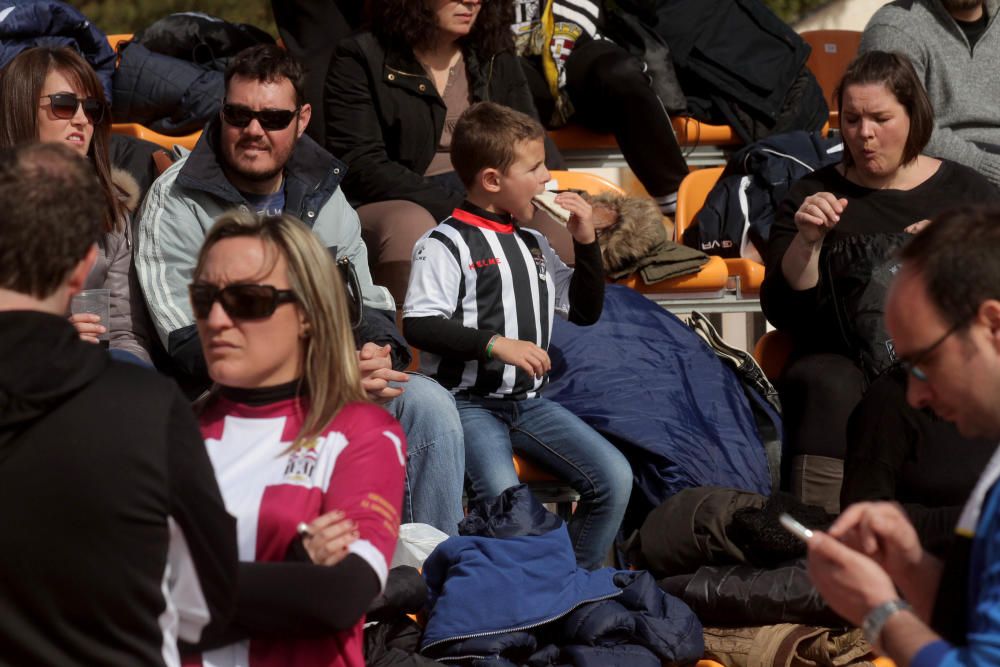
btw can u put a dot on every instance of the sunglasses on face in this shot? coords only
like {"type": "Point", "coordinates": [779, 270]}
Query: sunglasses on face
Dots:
{"type": "Point", "coordinates": [241, 301]}
{"type": "Point", "coordinates": [64, 106]}
{"type": "Point", "coordinates": [240, 116]}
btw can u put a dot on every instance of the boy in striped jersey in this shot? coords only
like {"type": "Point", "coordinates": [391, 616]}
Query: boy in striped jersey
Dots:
{"type": "Point", "coordinates": [480, 303]}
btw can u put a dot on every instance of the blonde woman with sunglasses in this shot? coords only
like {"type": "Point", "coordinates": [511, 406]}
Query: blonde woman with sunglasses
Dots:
{"type": "Point", "coordinates": [312, 471]}
{"type": "Point", "coordinates": [53, 95]}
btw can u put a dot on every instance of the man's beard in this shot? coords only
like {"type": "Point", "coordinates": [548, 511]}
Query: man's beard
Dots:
{"type": "Point", "coordinates": [960, 5]}
{"type": "Point", "coordinates": [253, 176]}
{"type": "Point", "coordinates": [256, 176]}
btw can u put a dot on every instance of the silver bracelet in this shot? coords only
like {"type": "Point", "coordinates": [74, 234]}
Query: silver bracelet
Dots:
{"type": "Point", "coordinates": [876, 619]}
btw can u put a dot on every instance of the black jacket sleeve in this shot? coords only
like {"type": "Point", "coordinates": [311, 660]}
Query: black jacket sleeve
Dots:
{"type": "Point", "coordinates": [586, 288]}
{"type": "Point", "coordinates": [786, 308]}
{"type": "Point", "coordinates": [447, 338]}
{"type": "Point", "coordinates": [379, 327]}
{"type": "Point", "coordinates": [187, 361]}
{"type": "Point", "coordinates": [197, 507]}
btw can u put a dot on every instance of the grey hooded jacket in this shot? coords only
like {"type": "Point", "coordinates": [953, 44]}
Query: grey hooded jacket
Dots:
{"type": "Point", "coordinates": [128, 329]}
{"type": "Point", "coordinates": [181, 207]}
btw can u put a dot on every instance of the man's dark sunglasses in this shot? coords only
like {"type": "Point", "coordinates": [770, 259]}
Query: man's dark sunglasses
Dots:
{"type": "Point", "coordinates": [64, 106]}
{"type": "Point", "coordinates": [243, 302]}
{"type": "Point", "coordinates": [240, 116]}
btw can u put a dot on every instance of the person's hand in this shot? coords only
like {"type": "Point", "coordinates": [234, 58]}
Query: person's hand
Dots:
{"type": "Point", "coordinates": [527, 356]}
{"type": "Point", "coordinates": [375, 364]}
{"type": "Point", "coordinates": [851, 583]}
{"type": "Point", "coordinates": [329, 537]}
{"type": "Point", "coordinates": [87, 325]}
{"type": "Point", "coordinates": [818, 214]}
{"type": "Point", "coordinates": [581, 222]}
{"type": "Point", "coordinates": [881, 531]}
{"type": "Point", "coordinates": [917, 226]}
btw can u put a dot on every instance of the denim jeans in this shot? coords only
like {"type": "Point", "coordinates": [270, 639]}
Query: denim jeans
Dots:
{"type": "Point", "coordinates": [435, 454]}
{"type": "Point", "coordinates": [559, 441]}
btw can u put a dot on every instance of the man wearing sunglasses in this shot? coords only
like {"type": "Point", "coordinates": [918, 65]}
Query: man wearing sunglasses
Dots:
{"type": "Point", "coordinates": [254, 156]}
{"type": "Point", "coordinates": [108, 501]}
{"type": "Point", "coordinates": [943, 313]}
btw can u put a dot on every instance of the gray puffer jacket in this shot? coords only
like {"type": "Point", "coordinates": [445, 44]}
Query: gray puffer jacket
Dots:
{"type": "Point", "coordinates": [113, 271]}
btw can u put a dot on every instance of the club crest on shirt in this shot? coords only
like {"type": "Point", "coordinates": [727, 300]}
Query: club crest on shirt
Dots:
{"type": "Point", "coordinates": [536, 254]}
{"type": "Point", "coordinates": [301, 465]}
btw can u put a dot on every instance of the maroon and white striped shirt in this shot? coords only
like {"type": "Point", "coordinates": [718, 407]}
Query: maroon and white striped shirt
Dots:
{"type": "Point", "coordinates": [356, 466]}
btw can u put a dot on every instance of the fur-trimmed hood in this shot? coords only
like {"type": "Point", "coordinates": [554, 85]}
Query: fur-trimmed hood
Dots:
{"type": "Point", "coordinates": [637, 232]}
{"type": "Point", "coordinates": [128, 188]}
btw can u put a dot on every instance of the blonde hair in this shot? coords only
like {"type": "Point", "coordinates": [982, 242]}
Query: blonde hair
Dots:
{"type": "Point", "coordinates": [330, 371]}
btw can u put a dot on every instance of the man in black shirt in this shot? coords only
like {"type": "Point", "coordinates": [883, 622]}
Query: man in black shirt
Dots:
{"type": "Point", "coordinates": [115, 540]}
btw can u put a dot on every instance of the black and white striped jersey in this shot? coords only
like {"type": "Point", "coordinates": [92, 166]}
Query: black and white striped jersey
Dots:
{"type": "Point", "coordinates": [486, 273]}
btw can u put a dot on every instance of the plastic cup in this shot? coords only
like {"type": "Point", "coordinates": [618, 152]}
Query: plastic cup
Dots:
{"type": "Point", "coordinates": [96, 302]}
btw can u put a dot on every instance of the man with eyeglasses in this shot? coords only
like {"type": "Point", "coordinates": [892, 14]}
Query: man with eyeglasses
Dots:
{"type": "Point", "coordinates": [255, 157]}
{"type": "Point", "coordinates": [943, 312]}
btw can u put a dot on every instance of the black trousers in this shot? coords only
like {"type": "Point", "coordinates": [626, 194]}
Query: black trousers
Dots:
{"type": "Point", "coordinates": [611, 93]}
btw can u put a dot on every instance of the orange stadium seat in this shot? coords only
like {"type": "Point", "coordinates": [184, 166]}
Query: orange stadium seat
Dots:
{"type": "Point", "coordinates": [702, 144]}
{"type": "Point", "coordinates": [832, 52]}
{"type": "Point", "coordinates": [142, 132]}
{"type": "Point", "coordinates": [581, 180]}
{"type": "Point", "coordinates": [712, 277]}
{"type": "Point", "coordinates": [690, 132]}
{"type": "Point", "coordinates": [115, 40]}
{"type": "Point", "coordinates": [772, 351]}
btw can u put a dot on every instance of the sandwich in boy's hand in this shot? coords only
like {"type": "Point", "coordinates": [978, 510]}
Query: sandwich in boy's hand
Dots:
{"type": "Point", "coordinates": [546, 201]}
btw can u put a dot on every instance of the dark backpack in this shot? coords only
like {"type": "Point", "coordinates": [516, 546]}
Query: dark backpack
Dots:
{"type": "Point", "coordinates": [199, 38]}
{"type": "Point", "coordinates": [857, 270]}
{"type": "Point", "coordinates": [739, 65]}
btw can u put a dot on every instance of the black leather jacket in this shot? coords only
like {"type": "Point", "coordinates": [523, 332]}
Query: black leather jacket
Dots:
{"type": "Point", "coordinates": [384, 118]}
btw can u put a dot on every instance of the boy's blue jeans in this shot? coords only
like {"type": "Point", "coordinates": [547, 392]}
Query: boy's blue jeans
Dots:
{"type": "Point", "coordinates": [556, 439]}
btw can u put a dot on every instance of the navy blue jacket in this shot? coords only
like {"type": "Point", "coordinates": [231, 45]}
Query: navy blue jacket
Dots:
{"type": "Point", "coordinates": [509, 586]}
{"type": "Point", "coordinates": [28, 23]}
{"type": "Point", "coordinates": [168, 95]}
{"type": "Point", "coordinates": [644, 380]}
{"type": "Point", "coordinates": [742, 205]}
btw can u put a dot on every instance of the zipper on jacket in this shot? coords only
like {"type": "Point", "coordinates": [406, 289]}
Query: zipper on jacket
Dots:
{"type": "Point", "coordinates": [402, 73]}
{"type": "Point", "coordinates": [521, 628]}
{"type": "Point", "coordinates": [489, 77]}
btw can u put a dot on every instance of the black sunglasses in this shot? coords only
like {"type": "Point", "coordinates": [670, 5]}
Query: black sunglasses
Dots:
{"type": "Point", "coordinates": [64, 106]}
{"type": "Point", "coordinates": [244, 302]}
{"type": "Point", "coordinates": [240, 116]}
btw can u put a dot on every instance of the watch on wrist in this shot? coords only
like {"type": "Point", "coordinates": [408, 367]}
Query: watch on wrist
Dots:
{"type": "Point", "coordinates": [876, 619]}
